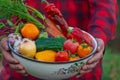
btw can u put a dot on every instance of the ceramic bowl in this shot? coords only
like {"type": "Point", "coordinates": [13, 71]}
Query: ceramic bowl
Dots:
{"type": "Point", "coordinates": [53, 70]}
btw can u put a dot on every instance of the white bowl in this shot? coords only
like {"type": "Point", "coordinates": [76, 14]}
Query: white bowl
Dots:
{"type": "Point", "coordinates": [53, 70]}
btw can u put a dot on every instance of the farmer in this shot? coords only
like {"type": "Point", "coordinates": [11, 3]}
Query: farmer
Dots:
{"type": "Point", "coordinates": [97, 17]}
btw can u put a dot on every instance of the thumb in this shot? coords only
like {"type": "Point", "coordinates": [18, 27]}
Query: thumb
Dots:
{"type": "Point", "coordinates": [101, 45]}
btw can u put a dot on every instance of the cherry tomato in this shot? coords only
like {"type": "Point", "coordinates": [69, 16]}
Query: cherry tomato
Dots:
{"type": "Point", "coordinates": [62, 56]}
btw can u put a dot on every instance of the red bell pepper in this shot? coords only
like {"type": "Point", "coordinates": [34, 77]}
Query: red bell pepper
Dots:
{"type": "Point", "coordinates": [76, 34]}
{"type": "Point", "coordinates": [51, 10]}
{"type": "Point", "coordinates": [79, 35]}
{"type": "Point", "coordinates": [55, 15]}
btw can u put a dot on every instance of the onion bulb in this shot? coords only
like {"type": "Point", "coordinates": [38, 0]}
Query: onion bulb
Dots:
{"type": "Point", "coordinates": [26, 47]}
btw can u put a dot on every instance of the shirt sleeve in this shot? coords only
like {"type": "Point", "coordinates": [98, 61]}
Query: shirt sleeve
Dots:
{"type": "Point", "coordinates": [104, 17]}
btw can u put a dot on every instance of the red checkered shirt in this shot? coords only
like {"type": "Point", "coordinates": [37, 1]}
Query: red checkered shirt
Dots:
{"type": "Point", "coordinates": [98, 17]}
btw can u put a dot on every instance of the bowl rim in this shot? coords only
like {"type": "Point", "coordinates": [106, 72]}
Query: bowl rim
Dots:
{"type": "Point", "coordinates": [34, 60]}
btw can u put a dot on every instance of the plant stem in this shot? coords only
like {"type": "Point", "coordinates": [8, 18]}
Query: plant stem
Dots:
{"type": "Point", "coordinates": [37, 12]}
{"type": "Point", "coordinates": [45, 1]}
{"type": "Point", "coordinates": [17, 29]}
{"type": "Point", "coordinates": [10, 23]}
{"type": "Point", "coordinates": [2, 25]}
{"type": "Point", "coordinates": [30, 18]}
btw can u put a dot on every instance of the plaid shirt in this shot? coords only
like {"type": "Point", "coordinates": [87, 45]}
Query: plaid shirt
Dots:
{"type": "Point", "coordinates": [98, 17]}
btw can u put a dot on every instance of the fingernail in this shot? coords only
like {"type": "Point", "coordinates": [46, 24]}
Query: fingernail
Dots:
{"type": "Point", "coordinates": [89, 62]}
{"type": "Point", "coordinates": [26, 75]}
{"type": "Point", "coordinates": [98, 48]}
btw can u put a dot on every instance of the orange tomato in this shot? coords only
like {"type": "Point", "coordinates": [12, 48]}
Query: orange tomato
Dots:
{"type": "Point", "coordinates": [30, 31]}
{"type": "Point", "coordinates": [84, 51]}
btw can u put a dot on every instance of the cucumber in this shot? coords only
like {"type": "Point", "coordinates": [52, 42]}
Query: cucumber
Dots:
{"type": "Point", "coordinates": [55, 44]}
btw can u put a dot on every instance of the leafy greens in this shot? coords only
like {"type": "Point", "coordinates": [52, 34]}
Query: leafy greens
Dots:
{"type": "Point", "coordinates": [11, 8]}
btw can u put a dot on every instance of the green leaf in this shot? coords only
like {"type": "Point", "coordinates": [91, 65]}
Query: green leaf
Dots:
{"type": "Point", "coordinates": [10, 23]}
{"type": "Point", "coordinates": [70, 30]}
{"type": "Point", "coordinates": [17, 8]}
{"type": "Point", "coordinates": [2, 25]}
{"type": "Point", "coordinates": [43, 35]}
{"type": "Point", "coordinates": [39, 14]}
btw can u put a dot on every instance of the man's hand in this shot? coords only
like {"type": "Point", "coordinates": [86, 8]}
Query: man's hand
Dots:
{"type": "Point", "coordinates": [93, 61]}
{"type": "Point", "coordinates": [13, 62]}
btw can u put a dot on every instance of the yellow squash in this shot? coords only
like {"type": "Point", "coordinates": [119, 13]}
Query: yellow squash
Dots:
{"type": "Point", "coordinates": [46, 55]}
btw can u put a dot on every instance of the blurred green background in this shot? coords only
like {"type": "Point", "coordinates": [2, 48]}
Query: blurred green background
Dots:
{"type": "Point", "coordinates": [111, 59]}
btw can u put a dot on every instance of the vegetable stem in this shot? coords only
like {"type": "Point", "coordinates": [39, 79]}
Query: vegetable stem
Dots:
{"type": "Point", "coordinates": [17, 29]}
{"type": "Point", "coordinates": [30, 18]}
{"type": "Point", "coordinates": [17, 8]}
{"type": "Point", "coordinates": [45, 1]}
{"type": "Point", "coordinates": [2, 25]}
{"type": "Point", "coordinates": [37, 12]}
{"type": "Point", "coordinates": [10, 23]}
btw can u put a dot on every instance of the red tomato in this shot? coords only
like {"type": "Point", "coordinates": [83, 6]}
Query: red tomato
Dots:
{"type": "Point", "coordinates": [71, 46]}
{"type": "Point", "coordinates": [62, 56]}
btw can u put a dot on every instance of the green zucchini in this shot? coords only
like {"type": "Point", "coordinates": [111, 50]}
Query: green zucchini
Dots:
{"type": "Point", "coordinates": [55, 44]}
